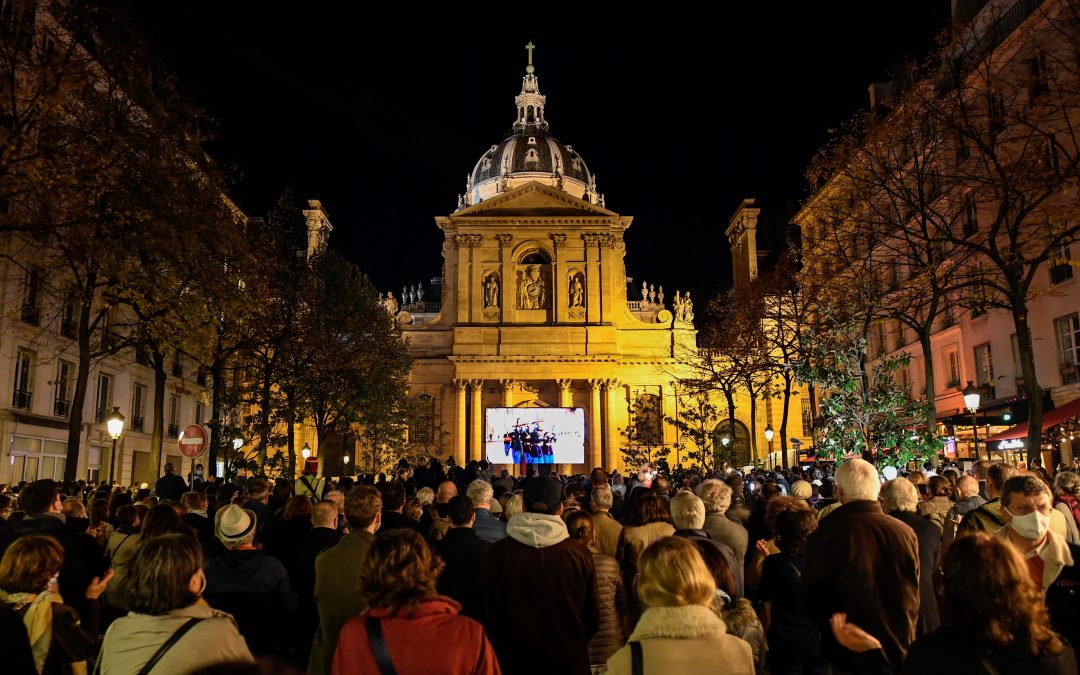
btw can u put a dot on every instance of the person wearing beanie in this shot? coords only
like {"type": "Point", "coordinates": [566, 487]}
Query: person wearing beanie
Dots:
{"type": "Point", "coordinates": [558, 576]}
{"type": "Point", "coordinates": [244, 582]}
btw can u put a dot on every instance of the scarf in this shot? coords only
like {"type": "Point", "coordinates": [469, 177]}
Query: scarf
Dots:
{"type": "Point", "coordinates": [1072, 503]}
{"type": "Point", "coordinates": [38, 620]}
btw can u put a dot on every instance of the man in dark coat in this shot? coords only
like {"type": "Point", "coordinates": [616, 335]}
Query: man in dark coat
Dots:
{"type": "Point", "coordinates": [323, 535]}
{"type": "Point", "coordinates": [863, 563]}
{"type": "Point", "coordinates": [901, 499]}
{"type": "Point", "coordinates": [393, 502]}
{"type": "Point", "coordinates": [464, 553]}
{"type": "Point", "coordinates": [541, 591]}
{"type": "Point", "coordinates": [170, 486]}
{"type": "Point", "coordinates": [83, 558]}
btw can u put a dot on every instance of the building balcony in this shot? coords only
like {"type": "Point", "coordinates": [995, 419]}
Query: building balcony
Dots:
{"type": "Point", "coordinates": [21, 400]}
{"type": "Point", "coordinates": [61, 408]}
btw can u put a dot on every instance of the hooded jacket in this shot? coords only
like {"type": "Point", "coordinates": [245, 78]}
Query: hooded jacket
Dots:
{"type": "Point", "coordinates": [413, 636]}
{"type": "Point", "coordinates": [542, 598]}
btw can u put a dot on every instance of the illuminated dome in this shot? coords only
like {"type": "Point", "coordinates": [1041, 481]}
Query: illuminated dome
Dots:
{"type": "Point", "coordinates": [529, 153]}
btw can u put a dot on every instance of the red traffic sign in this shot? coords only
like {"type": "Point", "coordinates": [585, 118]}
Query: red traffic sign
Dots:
{"type": "Point", "coordinates": [194, 440]}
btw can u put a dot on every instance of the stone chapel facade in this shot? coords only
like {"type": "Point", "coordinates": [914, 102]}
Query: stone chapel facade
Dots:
{"type": "Point", "coordinates": [533, 307]}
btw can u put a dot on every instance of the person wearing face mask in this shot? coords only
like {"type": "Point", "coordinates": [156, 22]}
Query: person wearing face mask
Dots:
{"type": "Point", "coordinates": [1026, 503]}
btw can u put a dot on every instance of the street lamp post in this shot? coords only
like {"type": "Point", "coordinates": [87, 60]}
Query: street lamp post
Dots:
{"type": "Point", "coordinates": [972, 398]}
{"type": "Point", "coordinates": [768, 437]}
{"type": "Point", "coordinates": [115, 423]}
{"type": "Point", "coordinates": [346, 460]}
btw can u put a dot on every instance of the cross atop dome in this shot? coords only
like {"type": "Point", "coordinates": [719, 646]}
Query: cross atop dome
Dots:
{"type": "Point", "coordinates": [530, 102]}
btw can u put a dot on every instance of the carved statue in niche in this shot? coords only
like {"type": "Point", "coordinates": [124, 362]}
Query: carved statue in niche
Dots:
{"type": "Point", "coordinates": [491, 291]}
{"type": "Point", "coordinates": [577, 292]}
{"type": "Point", "coordinates": [532, 288]}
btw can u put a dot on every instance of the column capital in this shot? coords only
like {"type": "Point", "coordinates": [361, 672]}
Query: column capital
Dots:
{"type": "Point", "coordinates": [612, 382]}
{"type": "Point", "coordinates": [505, 240]}
{"type": "Point", "coordinates": [476, 384]}
{"type": "Point", "coordinates": [507, 385]}
{"type": "Point", "coordinates": [461, 384]}
{"type": "Point", "coordinates": [564, 385]}
{"type": "Point", "coordinates": [591, 238]}
{"type": "Point", "coordinates": [595, 383]}
{"type": "Point", "coordinates": [558, 238]}
{"type": "Point", "coordinates": [468, 240]}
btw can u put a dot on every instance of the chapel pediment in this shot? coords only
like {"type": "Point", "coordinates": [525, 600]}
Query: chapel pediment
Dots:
{"type": "Point", "coordinates": [533, 199]}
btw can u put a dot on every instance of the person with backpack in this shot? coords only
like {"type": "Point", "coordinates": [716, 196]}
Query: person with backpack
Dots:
{"type": "Point", "coordinates": [310, 485]}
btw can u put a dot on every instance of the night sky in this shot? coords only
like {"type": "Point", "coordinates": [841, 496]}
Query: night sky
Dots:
{"type": "Point", "coordinates": [380, 110]}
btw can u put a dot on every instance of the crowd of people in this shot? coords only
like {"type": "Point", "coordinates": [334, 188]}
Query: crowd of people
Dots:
{"type": "Point", "coordinates": [433, 569]}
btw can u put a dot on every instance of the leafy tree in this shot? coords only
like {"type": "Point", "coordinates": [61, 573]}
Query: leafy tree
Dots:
{"type": "Point", "coordinates": [696, 421]}
{"type": "Point", "coordinates": [864, 411]}
{"type": "Point", "coordinates": [643, 436]}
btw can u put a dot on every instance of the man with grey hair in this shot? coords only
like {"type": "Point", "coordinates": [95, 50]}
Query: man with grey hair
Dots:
{"type": "Point", "coordinates": [716, 496]}
{"type": "Point", "coordinates": [900, 499]}
{"type": "Point", "coordinates": [487, 527]}
{"type": "Point", "coordinates": [1026, 503]}
{"type": "Point", "coordinates": [862, 563]}
{"type": "Point", "coordinates": [688, 517]}
{"type": "Point", "coordinates": [608, 530]}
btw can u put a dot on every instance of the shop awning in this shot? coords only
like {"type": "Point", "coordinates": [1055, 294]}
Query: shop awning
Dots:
{"type": "Point", "coordinates": [1051, 418]}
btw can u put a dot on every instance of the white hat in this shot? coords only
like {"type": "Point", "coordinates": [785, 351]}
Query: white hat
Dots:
{"type": "Point", "coordinates": [233, 523]}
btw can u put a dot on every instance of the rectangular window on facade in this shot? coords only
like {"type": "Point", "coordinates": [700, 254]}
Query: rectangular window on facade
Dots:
{"type": "Point", "coordinates": [103, 405]}
{"type": "Point", "coordinates": [1038, 76]}
{"type": "Point", "coordinates": [67, 321]}
{"type": "Point", "coordinates": [138, 407]}
{"type": "Point", "coordinates": [31, 308]}
{"type": "Point", "coordinates": [984, 365]}
{"type": "Point", "coordinates": [1051, 160]}
{"type": "Point", "coordinates": [952, 361]}
{"type": "Point", "coordinates": [200, 413]}
{"type": "Point", "coordinates": [65, 384]}
{"type": "Point", "coordinates": [1061, 265]}
{"type": "Point", "coordinates": [24, 375]}
{"type": "Point", "coordinates": [971, 215]}
{"type": "Point", "coordinates": [905, 378]}
{"type": "Point", "coordinates": [1068, 337]}
{"type": "Point", "coordinates": [807, 418]}
{"type": "Point", "coordinates": [174, 416]}
{"type": "Point", "coordinates": [422, 420]}
{"type": "Point", "coordinates": [962, 150]}
{"type": "Point", "coordinates": [177, 364]}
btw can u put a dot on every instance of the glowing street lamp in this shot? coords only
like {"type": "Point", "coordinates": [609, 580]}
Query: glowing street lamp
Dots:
{"type": "Point", "coordinates": [305, 451]}
{"type": "Point", "coordinates": [972, 398]}
{"type": "Point", "coordinates": [115, 423]}
{"type": "Point", "coordinates": [769, 433]}
{"type": "Point", "coordinates": [346, 460]}
{"type": "Point", "coordinates": [237, 443]}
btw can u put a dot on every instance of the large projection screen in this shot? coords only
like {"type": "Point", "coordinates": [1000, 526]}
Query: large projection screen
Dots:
{"type": "Point", "coordinates": [540, 435]}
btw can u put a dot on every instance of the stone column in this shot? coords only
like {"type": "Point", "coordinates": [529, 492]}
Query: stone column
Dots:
{"type": "Point", "coordinates": [592, 277]}
{"type": "Point", "coordinates": [476, 447]}
{"type": "Point", "coordinates": [605, 244]}
{"type": "Point", "coordinates": [507, 290]}
{"type": "Point", "coordinates": [594, 458]}
{"type": "Point", "coordinates": [459, 431]}
{"type": "Point", "coordinates": [560, 301]}
{"type": "Point", "coordinates": [507, 393]}
{"type": "Point", "coordinates": [611, 432]}
{"type": "Point", "coordinates": [566, 400]}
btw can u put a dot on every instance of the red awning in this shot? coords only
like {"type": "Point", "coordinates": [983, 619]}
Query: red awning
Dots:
{"type": "Point", "coordinates": [1051, 418]}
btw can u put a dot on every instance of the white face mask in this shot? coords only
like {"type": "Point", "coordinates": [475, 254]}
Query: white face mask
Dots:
{"type": "Point", "coordinates": [1031, 525]}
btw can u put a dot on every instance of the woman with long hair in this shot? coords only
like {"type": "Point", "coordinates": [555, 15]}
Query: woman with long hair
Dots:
{"type": "Point", "coordinates": [165, 597]}
{"type": "Point", "coordinates": [408, 628]}
{"type": "Point", "coordinates": [100, 527]}
{"type": "Point", "coordinates": [992, 616]}
{"type": "Point", "coordinates": [680, 631]}
{"type": "Point", "coordinates": [60, 640]}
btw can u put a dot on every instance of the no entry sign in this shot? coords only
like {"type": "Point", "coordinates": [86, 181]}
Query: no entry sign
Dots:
{"type": "Point", "coordinates": [193, 440]}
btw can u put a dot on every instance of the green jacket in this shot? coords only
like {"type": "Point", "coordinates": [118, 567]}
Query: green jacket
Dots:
{"type": "Point", "coordinates": [987, 518]}
{"type": "Point", "coordinates": [337, 596]}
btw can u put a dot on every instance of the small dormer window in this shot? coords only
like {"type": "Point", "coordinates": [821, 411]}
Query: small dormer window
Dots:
{"type": "Point", "coordinates": [575, 163]}
{"type": "Point", "coordinates": [486, 164]}
{"type": "Point", "coordinates": [532, 140]}
{"type": "Point", "coordinates": [532, 157]}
